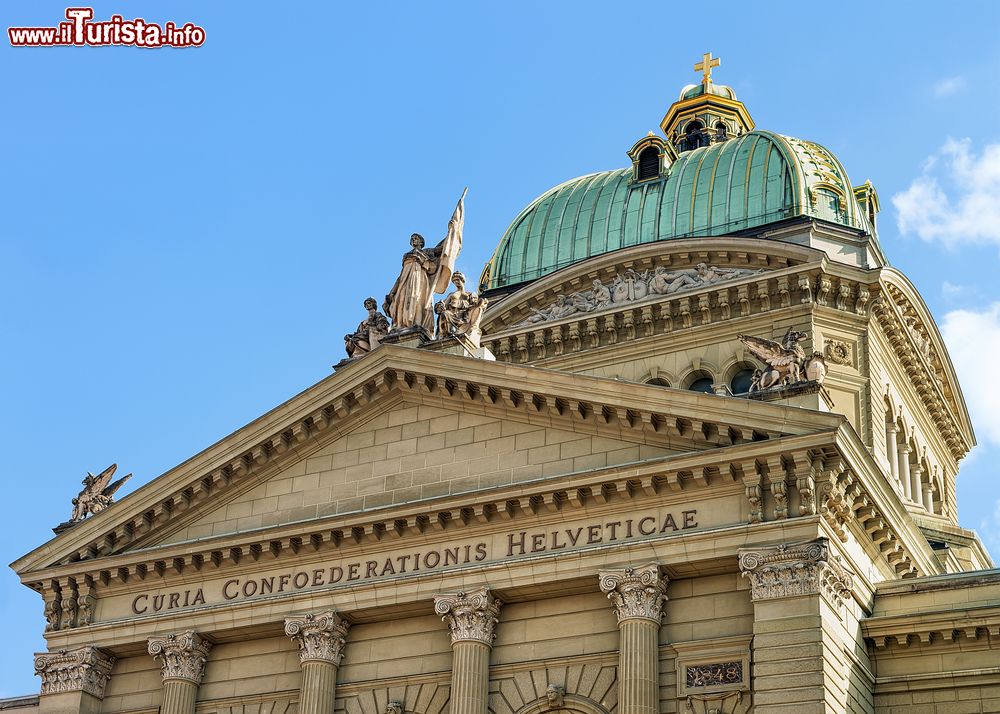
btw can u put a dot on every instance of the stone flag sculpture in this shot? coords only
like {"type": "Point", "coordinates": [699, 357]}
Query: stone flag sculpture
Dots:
{"type": "Point", "coordinates": [410, 303]}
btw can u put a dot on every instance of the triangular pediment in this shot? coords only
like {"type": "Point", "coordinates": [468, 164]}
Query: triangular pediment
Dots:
{"type": "Point", "coordinates": [334, 448]}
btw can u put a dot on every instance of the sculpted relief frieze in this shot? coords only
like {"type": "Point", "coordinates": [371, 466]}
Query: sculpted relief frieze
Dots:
{"type": "Point", "coordinates": [349, 572]}
{"type": "Point", "coordinates": [633, 286]}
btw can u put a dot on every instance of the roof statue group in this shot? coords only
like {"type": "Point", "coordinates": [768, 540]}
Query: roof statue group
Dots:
{"type": "Point", "coordinates": [410, 307]}
{"type": "Point", "coordinates": [786, 362]}
{"type": "Point", "coordinates": [96, 495]}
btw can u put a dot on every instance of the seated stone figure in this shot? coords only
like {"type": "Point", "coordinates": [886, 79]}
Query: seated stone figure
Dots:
{"type": "Point", "coordinates": [460, 312]}
{"type": "Point", "coordinates": [370, 332]}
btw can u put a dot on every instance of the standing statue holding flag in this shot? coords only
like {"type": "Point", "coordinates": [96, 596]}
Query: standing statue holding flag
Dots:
{"type": "Point", "coordinates": [425, 272]}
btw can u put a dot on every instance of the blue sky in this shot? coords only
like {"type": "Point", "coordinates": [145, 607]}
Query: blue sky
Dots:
{"type": "Point", "coordinates": [187, 234]}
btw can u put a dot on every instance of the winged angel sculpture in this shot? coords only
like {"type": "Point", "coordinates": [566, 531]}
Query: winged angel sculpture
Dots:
{"type": "Point", "coordinates": [97, 494]}
{"type": "Point", "coordinates": [786, 361]}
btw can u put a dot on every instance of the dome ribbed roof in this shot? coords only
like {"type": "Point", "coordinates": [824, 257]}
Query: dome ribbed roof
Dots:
{"type": "Point", "coordinates": [742, 183]}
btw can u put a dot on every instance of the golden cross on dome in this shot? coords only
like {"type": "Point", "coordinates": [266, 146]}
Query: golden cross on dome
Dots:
{"type": "Point", "coordinates": [705, 67]}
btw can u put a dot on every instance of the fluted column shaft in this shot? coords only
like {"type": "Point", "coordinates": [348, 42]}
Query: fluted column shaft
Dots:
{"type": "Point", "coordinates": [637, 595]}
{"type": "Point", "coordinates": [472, 618]}
{"type": "Point", "coordinates": [470, 677]}
{"type": "Point", "coordinates": [179, 696]}
{"type": "Point", "coordinates": [322, 638]}
{"type": "Point", "coordinates": [182, 659]}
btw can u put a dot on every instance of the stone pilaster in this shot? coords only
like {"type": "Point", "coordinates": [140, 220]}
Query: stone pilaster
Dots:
{"type": "Point", "coordinates": [182, 659]}
{"type": "Point", "coordinates": [799, 591]}
{"type": "Point", "coordinates": [637, 595]}
{"type": "Point", "coordinates": [322, 638]}
{"type": "Point", "coordinates": [472, 618]}
{"type": "Point", "coordinates": [73, 680]}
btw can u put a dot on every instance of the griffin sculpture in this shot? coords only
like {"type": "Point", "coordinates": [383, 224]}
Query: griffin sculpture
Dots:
{"type": "Point", "coordinates": [786, 362]}
{"type": "Point", "coordinates": [96, 494]}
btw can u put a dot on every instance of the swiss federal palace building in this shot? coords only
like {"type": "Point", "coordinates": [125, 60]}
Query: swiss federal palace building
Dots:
{"type": "Point", "coordinates": [690, 445]}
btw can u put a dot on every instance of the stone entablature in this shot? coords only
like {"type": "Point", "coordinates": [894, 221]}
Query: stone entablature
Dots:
{"type": "Point", "coordinates": [798, 472]}
{"type": "Point", "coordinates": [84, 669]}
{"type": "Point", "coordinates": [181, 656]}
{"type": "Point", "coordinates": [669, 313]}
{"type": "Point", "coordinates": [470, 616]}
{"type": "Point", "coordinates": [319, 636]}
{"type": "Point", "coordinates": [790, 570]}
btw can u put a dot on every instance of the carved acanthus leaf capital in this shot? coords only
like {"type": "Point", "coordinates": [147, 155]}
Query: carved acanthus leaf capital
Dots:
{"type": "Point", "coordinates": [471, 617]}
{"type": "Point", "coordinates": [636, 593]}
{"type": "Point", "coordinates": [321, 637]}
{"type": "Point", "coordinates": [794, 569]}
{"type": "Point", "coordinates": [85, 669]}
{"type": "Point", "coordinates": [181, 656]}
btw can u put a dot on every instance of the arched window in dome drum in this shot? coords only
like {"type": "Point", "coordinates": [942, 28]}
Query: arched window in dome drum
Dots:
{"type": "Point", "coordinates": [649, 163]}
{"type": "Point", "coordinates": [827, 205]}
{"type": "Point", "coordinates": [720, 131]}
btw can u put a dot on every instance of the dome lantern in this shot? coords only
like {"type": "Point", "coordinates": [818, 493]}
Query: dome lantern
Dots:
{"type": "Point", "coordinates": [704, 114]}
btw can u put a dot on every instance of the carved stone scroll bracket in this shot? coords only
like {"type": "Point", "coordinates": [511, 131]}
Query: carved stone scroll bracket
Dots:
{"type": "Point", "coordinates": [795, 569]}
{"type": "Point", "coordinates": [85, 669]}
{"type": "Point", "coordinates": [471, 616]}
{"type": "Point", "coordinates": [320, 636]}
{"type": "Point", "coordinates": [636, 593]}
{"type": "Point", "coordinates": [181, 656]}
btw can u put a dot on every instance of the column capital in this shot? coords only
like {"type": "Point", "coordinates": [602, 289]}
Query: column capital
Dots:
{"type": "Point", "coordinates": [83, 669]}
{"type": "Point", "coordinates": [471, 616]}
{"type": "Point", "coordinates": [792, 569]}
{"type": "Point", "coordinates": [181, 655]}
{"type": "Point", "coordinates": [904, 448]}
{"type": "Point", "coordinates": [636, 593]}
{"type": "Point", "coordinates": [321, 636]}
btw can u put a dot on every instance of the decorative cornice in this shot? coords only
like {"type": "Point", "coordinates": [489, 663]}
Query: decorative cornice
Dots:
{"type": "Point", "coordinates": [471, 617]}
{"type": "Point", "coordinates": [181, 656]}
{"type": "Point", "coordinates": [321, 637]}
{"type": "Point", "coordinates": [794, 569]}
{"type": "Point", "coordinates": [636, 593]}
{"type": "Point", "coordinates": [86, 669]}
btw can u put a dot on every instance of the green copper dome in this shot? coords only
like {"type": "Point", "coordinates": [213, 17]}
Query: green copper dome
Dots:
{"type": "Point", "coordinates": [730, 186]}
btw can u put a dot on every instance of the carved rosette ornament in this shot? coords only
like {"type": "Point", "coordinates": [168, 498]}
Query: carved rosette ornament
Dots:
{"type": "Point", "coordinates": [795, 569]}
{"type": "Point", "coordinates": [320, 636]}
{"type": "Point", "coordinates": [181, 656]}
{"type": "Point", "coordinates": [471, 617]}
{"type": "Point", "coordinates": [636, 593]}
{"type": "Point", "coordinates": [85, 669]}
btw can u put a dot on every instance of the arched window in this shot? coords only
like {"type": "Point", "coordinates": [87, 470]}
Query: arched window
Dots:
{"type": "Point", "coordinates": [740, 383]}
{"type": "Point", "coordinates": [658, 382]}
{"type": "Point", "coordinates": [693, 134]}
{"type": "Point", "coordinates": [702, 384]}
{"type": "Point", "coordinates": [649, 163]}
{"type": "Point", "coordinates": [827, 204]}
{"type": "Point", "coordinates": [721, 133]}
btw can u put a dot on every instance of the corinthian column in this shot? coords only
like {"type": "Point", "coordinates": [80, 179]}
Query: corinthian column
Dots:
{"type": "Point", "coordinates": [637, 595]}
{"type": "Point", "coordinates": [321, 638]}
{"type": "Point", "coordinates": [72, 680]}
{"type": "Point", "coordinates": [182, 660]}
{"type": "Point", "coordinates": [472, 618]}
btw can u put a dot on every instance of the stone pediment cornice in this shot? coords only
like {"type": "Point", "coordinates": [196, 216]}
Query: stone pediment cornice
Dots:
{"type": "Point", "coordinates": [789, 276]}
{"type": "Point", "coordinates": [338, 403]}
{"type": "Point", "coordinates": [964, 626]}
{"type": "Point", "coordinates": [676, 474]}
{"type": "Point", "coordinates": [919, 347]}
{"type": "Point", "coordinates": [828, 473]}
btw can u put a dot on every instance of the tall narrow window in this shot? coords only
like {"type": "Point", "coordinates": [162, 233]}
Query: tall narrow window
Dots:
{"type": "Point", "coordinates": [693, 133]}
{"type": "Point", "coordinates": [649, 163]}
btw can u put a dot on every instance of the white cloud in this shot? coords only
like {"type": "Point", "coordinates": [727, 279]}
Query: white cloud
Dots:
{"type": "Point", "coordinates": [949, 86]}
{"type": "Point", "coordinates": [956, 199]}
{"type": "Point", "coordinates": [972, 336]}
{"type": "Point", "coordinates": [989, 529]}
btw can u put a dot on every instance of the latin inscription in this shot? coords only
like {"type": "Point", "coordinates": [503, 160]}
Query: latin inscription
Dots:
{"type": "Point", "coordinates": [517, 544]}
